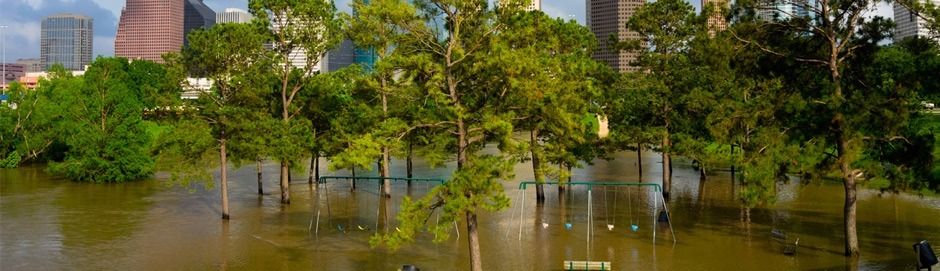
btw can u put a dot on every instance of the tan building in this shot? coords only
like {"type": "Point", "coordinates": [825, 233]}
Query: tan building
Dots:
{"type": "Point", "coordinates": [149, 28]}
{"type": "Point", "coordinates": [30, 64]}
{"type": "Point", "coordinates": [533, 5]}
{"type": "Point", "coordinates": [608, 18]}
{"type": "Point", "coordinates": [716, 22]}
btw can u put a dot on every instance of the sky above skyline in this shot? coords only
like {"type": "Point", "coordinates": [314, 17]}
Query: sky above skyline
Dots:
{"type": "Point", "coordinates": [23, 19]}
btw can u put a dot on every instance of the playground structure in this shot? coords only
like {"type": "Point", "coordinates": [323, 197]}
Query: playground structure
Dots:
{"type": "Point", "coordinates": [632, 204]}
{"type": "Point", "coordinates": [336, 184]}
{"type": "Point", "coordinates": [658, 200]}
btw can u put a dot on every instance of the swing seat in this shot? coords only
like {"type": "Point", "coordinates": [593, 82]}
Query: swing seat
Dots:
{"type": "Point", "coordinates": [586, 265]}
{"type": "Point", "coordinates": [783, 239]}
{"type": "Point", "coordinates": [610, 227]}
{"type": "Point", "coordinates": [634, 228]}
{"type": "Point", "coordinates": [340, 228]}
{"type": "Point", "coordinates": [361, 228]}
{"type": "Point", "coordinates": [568, 226]}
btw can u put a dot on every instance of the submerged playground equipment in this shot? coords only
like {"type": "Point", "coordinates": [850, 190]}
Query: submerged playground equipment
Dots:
{"type": "Point", "coordinates": [656, 216]}
{"type": "Point", "coordinates": [328, 181]}
{"type": "Point", "coordinates": [658, 200]}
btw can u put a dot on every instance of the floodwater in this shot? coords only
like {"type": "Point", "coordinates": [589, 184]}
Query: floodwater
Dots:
{"type": "Point", "coordinates": [47, 223]}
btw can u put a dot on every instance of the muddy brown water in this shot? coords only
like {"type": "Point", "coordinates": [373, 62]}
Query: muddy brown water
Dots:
{"type": "Point", "coordinates": [47, 223]}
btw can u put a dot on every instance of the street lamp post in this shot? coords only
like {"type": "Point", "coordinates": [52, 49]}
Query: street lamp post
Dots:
{"type": "Point", "coordinates": [3, 43]}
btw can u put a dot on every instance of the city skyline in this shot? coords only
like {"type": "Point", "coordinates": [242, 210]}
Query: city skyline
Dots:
{"type": "Point", "coordinates": [24, 18]}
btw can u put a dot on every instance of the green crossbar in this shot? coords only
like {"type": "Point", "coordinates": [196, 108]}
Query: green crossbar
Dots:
{"type": "Point", "coordinates": [587, 265]}
{"type": "Point", "coordinates": [324, 179]}
{"type": "Point", "coordinates": [590, 184]}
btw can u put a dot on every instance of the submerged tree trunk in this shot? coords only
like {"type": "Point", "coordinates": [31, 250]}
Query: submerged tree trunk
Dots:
{"type": "Point", "coordinates": [223, 157]}
{"type": "Point", "coordinates": [311, 177]}
{"type": "Point", "coordinates": [285, 183]}
{"type": "Point", "coordinates": [258, 169]}
{"type": "Point", "coordinates": [536, 167]}
{"type": "Point", "coordinates": [639, 160]}
{"type": "Point", "coordinates": [409, 162]}
{"type": "Point", "coordinates": [561, 169]}
{"type": "Point", "coordinates": [667, 166]}
{"type": "Point", "coordinates": [353, 178]}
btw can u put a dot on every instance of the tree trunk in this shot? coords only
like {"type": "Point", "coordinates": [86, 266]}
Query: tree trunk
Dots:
{"type": "Point", "coordinates": [409, 166]}
{"type": "Point", "coordinates": [536, 167]}
{"type": "Point", "coordinates": [667, 166]}
{"type": "Point", "coordinates": [384, 164]}
{"type": "Point", "coordinates": [639, 160]}
{"type": "Point", "coordinates": [384, 171]}
{"type": "Point", "coordinates": [258, 168]}
{"type": "Point", "coordinates": [316, 169]}
{"type": "Point", "coordinates": [851, 233]}
{"type": "Point", "coordinates": [223, 157]}
{"type": "Point", "coordinates": [285, 183]}
{"type": "Point", "coordinates": [354, 178]}
{"type": "Point", "coordinates": [561, 169]}
{"type": "Point", "coordinates": [476, 263]}
{"type": "Point", "coordinates": [313, 167]}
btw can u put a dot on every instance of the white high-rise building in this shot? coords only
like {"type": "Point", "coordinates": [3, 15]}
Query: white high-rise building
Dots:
{"type": "Point", "coordinates": [782, 10]}
{"type": "Point", "coordinates": [909, 24]}
{"type": "Point", "coordinates": [232, 15]}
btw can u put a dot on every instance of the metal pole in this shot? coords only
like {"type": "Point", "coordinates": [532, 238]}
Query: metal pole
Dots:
{"type": "Point", "coordinates": [655, 207]}
{"type": "Point", "coordinates": [4, 45]}
{"type": "Point", "coordinates": [669, 220]}
{"type": "Point", "coordinates": [521, 211]}
{"type": "Point", "coordinates": [590, 220]}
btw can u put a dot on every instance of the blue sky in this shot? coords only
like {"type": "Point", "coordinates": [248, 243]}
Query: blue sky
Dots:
{"type": "Point", "coordinates": [23, 19]}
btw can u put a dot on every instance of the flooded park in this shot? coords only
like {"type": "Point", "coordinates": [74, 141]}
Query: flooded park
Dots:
{"type": "Point", "coordinates": [49, 223]}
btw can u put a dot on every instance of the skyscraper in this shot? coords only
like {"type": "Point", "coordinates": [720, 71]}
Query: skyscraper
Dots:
{"type": "Point", "coordinates": [339, 57]}
{"type": "Point", "coordinates": [198, 15]}
{"type": "Point", "coordinates": [608, 18]}
{"type": "Point", "coordinates": [909, 24]}
{"type": "Point", "coordinates": [781, 10]}
{"type": "Point", "coordinates": [716, 21]}
{"type": "Point", "coordinates": [232, 15]}
{"type": "Point", "coordinates": [533, 5]}
{"type": "Point", "coordinates": [149, 28]}
{"type": "Point", "coordinates": [364, 56]}
{"type": "Point", "coordinates": [66, 39]}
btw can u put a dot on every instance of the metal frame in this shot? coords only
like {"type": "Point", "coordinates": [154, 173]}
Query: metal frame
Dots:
{"type": "Point", "coordinates": [656, 188]}
{"type": "Point", "coordinates": [325, 179]}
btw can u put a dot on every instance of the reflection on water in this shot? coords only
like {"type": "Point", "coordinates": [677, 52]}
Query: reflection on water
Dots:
{"type": "Point", "coordinates": [47, 223]}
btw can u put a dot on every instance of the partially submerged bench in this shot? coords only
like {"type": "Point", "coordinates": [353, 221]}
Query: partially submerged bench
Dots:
{"type": "Point", "coordinates": [586, 265]}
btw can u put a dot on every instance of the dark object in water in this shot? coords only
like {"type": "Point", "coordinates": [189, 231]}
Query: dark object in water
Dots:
{"type": "Point", "coordinates": [409, 267]}
{"type": "Point", "coordinates": [790, 249]}
{"type": "Point", "coordinates": [663, 217]}
{"type": "Point", "coordinates": [925, 255]}
{"type": "Point", "coordinates": [781, 237]}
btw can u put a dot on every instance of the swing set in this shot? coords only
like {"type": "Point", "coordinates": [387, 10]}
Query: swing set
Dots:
{"type": "Point", "coordinates": [351, 188]}
{"type": "Point", "coordinates": [633, 205]}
